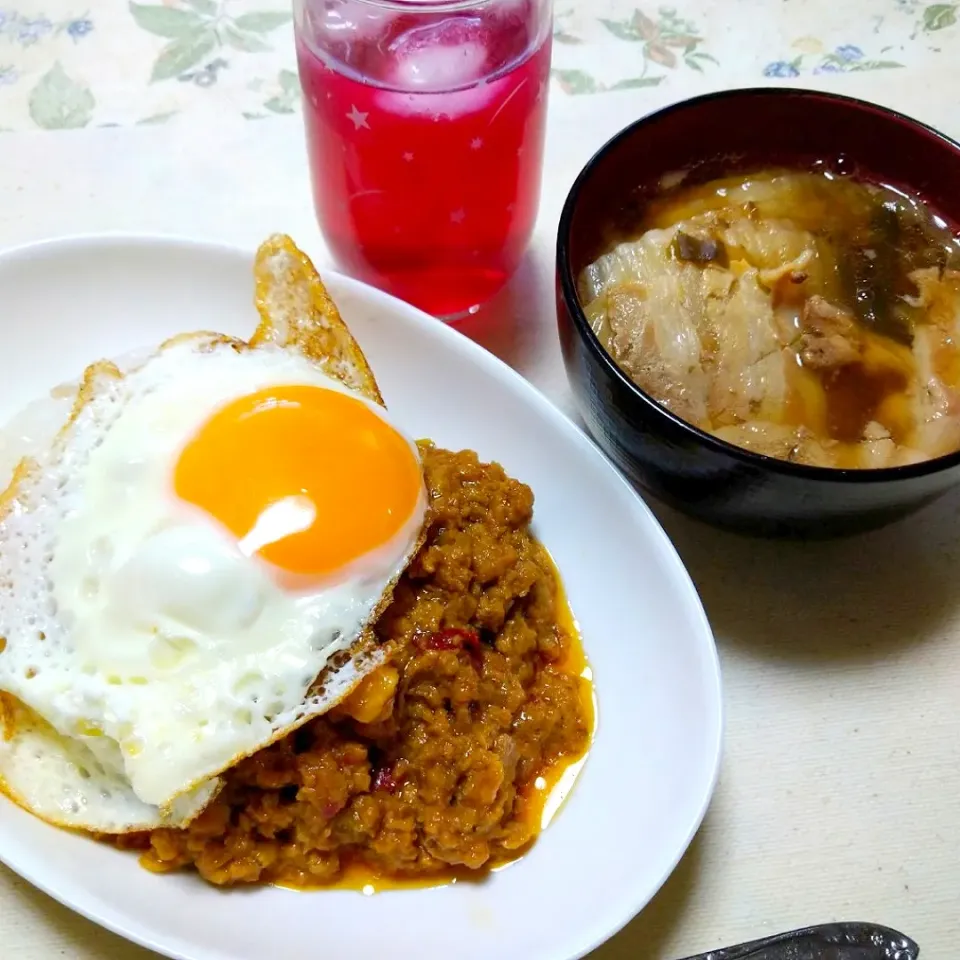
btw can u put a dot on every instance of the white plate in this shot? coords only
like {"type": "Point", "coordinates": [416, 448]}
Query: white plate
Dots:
{"type": "Point", "coordinates": [650, 775]}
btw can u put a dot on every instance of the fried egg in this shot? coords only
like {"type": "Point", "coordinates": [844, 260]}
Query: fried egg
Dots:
{"type": "Point", "coordinates": [191, 568]}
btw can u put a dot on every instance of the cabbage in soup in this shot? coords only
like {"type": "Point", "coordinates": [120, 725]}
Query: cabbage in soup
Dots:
{"type": "Point", "coordinates": [802, 315]}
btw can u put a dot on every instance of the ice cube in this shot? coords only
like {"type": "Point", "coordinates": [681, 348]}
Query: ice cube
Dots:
{"type": "Point", "coordinates": [445, 55]}
{"type": "Point", "coordinates": [449, 104]}
{"type": "Point", "coordinates": [349, 22]}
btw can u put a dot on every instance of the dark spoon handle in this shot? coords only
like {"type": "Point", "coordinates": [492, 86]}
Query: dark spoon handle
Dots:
{"type": "Point", "coordinates": [832, 941]}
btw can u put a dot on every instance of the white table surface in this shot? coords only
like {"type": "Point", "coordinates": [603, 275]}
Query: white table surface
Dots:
{"type": "Point", "coordinates": [839, 791]}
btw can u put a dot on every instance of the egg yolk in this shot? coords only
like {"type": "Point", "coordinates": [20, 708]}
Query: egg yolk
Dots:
{"type": "Point", "coordinates": [308, 478]}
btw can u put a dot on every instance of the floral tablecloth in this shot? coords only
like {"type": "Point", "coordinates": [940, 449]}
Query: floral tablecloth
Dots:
{"type": "Point", "coordinates": [841, 773]}
{"type": "Point", "coordinates": [79, 63]}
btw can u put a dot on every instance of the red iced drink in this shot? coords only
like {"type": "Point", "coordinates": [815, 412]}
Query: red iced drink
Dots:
{"type": "Point", "coordinates": [425, 128]}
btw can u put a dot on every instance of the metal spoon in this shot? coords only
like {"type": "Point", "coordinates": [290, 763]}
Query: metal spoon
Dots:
{"type": "Point", "coordinates": [831, 941]}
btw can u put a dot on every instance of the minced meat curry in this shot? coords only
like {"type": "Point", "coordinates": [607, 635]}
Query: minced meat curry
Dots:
{"type": "Point", "coordinates": [436, 764]}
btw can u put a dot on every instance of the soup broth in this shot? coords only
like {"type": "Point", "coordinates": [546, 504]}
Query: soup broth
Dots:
{"type": "Point", "coordinates": [803, 315]}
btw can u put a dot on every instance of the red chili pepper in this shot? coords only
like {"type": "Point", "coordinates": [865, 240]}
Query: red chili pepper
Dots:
{"type": "Point", "coordinates": [383, 779]}
{"type": "Point", "coordinates": [453, 638]}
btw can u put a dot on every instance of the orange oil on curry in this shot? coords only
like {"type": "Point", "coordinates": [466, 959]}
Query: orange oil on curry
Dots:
{"type": "Point", "coordinates": [547, 793]}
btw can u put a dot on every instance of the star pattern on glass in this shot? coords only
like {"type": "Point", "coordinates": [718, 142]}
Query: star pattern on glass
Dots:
{"type": "Point", "coordinates": [358, 118]}
{"type": "Point", "coordinates": [408, 156]}
{"type": "Point", "coordinates": [458, 216]}
{"type": "Point", "coordinates": [476, 143]}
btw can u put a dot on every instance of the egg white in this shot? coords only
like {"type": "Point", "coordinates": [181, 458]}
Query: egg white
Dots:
{"type": "Point", "coordinates": [134, 625]}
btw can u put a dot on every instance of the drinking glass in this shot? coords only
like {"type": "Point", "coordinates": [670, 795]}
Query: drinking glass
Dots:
{"type": "Point", "coordinates": [425, 126]}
